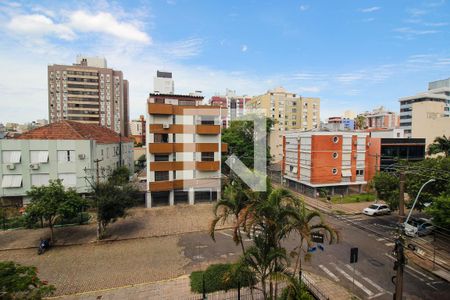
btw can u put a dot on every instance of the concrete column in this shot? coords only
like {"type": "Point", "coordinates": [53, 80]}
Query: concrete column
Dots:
{"type": "Point", "coordinates": [148, 199]}
{"type": "Point", "coordinates": [315, 193]}
{"type": "Point", "coordinates": [332, 191]}
{"type": "Point", "coordinates": [191, 196]}
{"type": "Point", "coordinates": [218, 194]}
{"type": "Point", "coordinates": [171, 198]}
{"type": "Point", "coordinates": [360, 188]}
{"type": "Point", "coordinates": [346, 190]}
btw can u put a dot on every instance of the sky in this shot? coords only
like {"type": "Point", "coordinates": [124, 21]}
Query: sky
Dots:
{"type": "Point", "coordinates": [354, 55]}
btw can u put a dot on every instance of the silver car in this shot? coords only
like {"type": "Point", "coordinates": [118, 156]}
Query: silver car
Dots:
{"type": "Point", "coordinates": [418, 227]}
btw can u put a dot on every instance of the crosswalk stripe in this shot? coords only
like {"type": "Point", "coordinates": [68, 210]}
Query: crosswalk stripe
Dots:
{"type": "Point", "coordinates": [325, 269]}
{"type": "Point", "coordinates": [357, 283]}
{"type": "Point", "coordinates": [380, 239]}
{"type": "Point", "coordinates": [418, 272]}
{"type": "Point", "coordinates": [390, 244]}
{"type": "Point", "coordinates": [379, 288]}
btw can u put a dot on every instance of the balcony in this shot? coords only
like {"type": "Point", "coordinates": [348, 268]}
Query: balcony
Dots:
{"type": "Point", "coordinates": [208, 129]}
{"type": "Point", "coordinates": [171, 165]}
{"type": "Point", "coordinates": [207, 165]}
{"type": "Point", "coordinates": [160, 109]}
{"type": "Point", "coordinates": [159, 186]}
{"type": "Point", "coordinates": [161, 147]}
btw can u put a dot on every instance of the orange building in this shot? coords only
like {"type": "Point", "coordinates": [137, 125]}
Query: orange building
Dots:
{"type": "Point", "coordinates": [184, 150]}
{"type": "Point", "coordinates": [340, 162]}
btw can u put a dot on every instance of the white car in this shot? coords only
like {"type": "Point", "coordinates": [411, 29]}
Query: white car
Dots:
{"type": "Point", "coordinates": [418, 227]}
{"type": "Point", "coordinates": [377, 209]}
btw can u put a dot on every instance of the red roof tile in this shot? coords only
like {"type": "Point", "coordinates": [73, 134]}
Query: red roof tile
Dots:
{"type": "Point", "coordinates": [71, 130]}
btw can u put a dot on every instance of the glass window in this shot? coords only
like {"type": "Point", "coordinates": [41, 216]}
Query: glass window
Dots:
{"type": "Point", "coordinates": [161, 138]}
{"type": "Point", "coordinates": [39, 179]}
{"type": "Point", "coordinates": [66, 156]}
{"type": "Point", "coordinates": [161, 175]}
{"type": "Point", "coordinates": [68, 179]}
{"type": "Point", "coordinates": [207, 156]}
{"type": "Point", "coordinates": [161, 157]}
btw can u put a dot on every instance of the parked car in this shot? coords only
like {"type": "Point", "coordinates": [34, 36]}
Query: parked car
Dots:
{"type": "Point", "coordinates": [377, 209]}
{"type": "Point", "coordinates": [418, 227]}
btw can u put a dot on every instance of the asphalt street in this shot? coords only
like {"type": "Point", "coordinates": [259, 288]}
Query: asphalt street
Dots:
{"type": "Point", "coordinates": [369, 278]}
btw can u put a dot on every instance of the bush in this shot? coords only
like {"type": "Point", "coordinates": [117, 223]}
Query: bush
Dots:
{"type": "Point", "coordinates": [221, 277]}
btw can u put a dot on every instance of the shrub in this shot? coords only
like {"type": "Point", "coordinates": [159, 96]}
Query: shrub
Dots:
{"type": "Point", "coordinates": [221, 277]}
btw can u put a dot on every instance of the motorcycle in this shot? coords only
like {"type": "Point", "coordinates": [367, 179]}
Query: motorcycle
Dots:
{"type": "Point", "coordinates": [44, 244]}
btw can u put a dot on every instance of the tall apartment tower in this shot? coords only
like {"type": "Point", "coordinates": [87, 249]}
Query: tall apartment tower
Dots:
{"type": "Point", "coordinates": [184, 150]}
{"type": "Point", "coordinates": [233, 106]}
{"type": "Point", "coordinates": [289, 111]}
{"type": "Point", "coordinates": [88, 92]}
{"type": "Point", "coordinates": [163, 83]}
{"type": "Point", "coordinates": [427, 114]}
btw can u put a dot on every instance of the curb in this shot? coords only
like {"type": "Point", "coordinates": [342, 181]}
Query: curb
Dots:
{"type": "Point", "coordinates": [105, 241]}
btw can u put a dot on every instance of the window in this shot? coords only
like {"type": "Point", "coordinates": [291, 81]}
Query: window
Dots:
{"type": "Point", "coordinates": [186, 103]}
{"type": "Point", "coordinates": [11, 157]}
{"type": "Point", "coordinates": [161, 138]}
{"type": "Point", "coordinates": [207, 156]}
{"type": "Point", "coordinates": [66, 156]}
{"type": "Point", "coordinates": [39, 179]}
{"type": "Point", "coordinates": [161, 157]}
{"type": "Point", "coordinates": [359, 172]}
{"type": "Point", "coordinates": [334, 171]}
{"type": "Point", "coordinates": [37, 157]}
{"type": "Point", "coordinates": [207, 120]}
{"type": "Point", "coordinates": [68, 179]}
{"type": "Point", "coordinates": [335, 155]}
{"type": "Point", "coordinates": [11, 181]}
{"type": "Point", "coordinates": [161, 175]}
{"type": "Point", "coordinates": [335, 139]}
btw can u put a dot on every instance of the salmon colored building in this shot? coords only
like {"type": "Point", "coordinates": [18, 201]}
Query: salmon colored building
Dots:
{"type": "Point", "coordinates": [340, 162]}
{"type": "Point", "coordinates": [184, 150]}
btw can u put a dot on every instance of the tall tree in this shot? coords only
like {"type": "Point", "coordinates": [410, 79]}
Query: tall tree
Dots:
{"type": "Point", "coordinates": [54, 201]}
{"type": "Point", "coordinates": [21, 282]}
{"type": "Point", "coordinates": [239, 137]}
{"type": "Point", "coordinates": [360, 122]}
{"type": "Point", "coordinates": [387, 187]}
{"type": "Point", "coordinates": [111, 199]}
{"type": "Point", "coordinates": [441, 144]}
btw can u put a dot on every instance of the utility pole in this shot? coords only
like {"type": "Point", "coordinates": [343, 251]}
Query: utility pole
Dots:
{"type": "Point", "coordinates": [401, 196]}
{"type": "Point", "coordinates": [97, 170]}
{"type": "Point", "coordinates": [398, 266]}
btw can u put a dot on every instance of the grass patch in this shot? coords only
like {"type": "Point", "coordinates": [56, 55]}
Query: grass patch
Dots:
{"type": "Point", "coordinates": [367, 197]}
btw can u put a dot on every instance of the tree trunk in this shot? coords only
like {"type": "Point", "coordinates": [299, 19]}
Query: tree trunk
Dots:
{"type": "Point", "coordinates": [99, 230]}
{"type": "Point", "coordinates": [50, 224]}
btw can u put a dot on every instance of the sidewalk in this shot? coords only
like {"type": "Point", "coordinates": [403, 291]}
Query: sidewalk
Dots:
{"type": "Point", "coordinates": [346, 208]}
{"type": "Point", "coordinates": [141, 223]}
{"type": "Point", "coordinates": [179, 288]}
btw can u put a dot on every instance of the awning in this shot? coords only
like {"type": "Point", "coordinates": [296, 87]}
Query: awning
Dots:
{"type": "Point", "coordinates": [346, 173]}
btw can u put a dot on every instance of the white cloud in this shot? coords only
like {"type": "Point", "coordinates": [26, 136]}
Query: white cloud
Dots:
{"type": "Point", "coordinates": [412, 32]}
{"type": "Point", "coordinates": [244, 48]}
{"type": "Point", "coordinates": [308, 89]}
{"type": "Point", "coordinates": [106, 23]}
{"type": "Point", "coordinates": [370, 9]}
{"type": "Point", "coordinates": [39, 25]}
{"type": "Point", "coordinates": [369, 20]}
{"type": "Point", "coordinates": [183, 49]}
{"type": "Point", "coordinates": [436, 24]}
{"type": "Point", "coordinates": [304, 7]}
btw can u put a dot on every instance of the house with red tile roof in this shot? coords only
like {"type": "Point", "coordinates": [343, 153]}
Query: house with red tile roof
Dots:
{"type": "Point", "coordinates": [76, 153]}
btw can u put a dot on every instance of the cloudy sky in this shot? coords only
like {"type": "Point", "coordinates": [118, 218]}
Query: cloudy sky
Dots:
{"type": "Point", "coordinates": [352, 54]}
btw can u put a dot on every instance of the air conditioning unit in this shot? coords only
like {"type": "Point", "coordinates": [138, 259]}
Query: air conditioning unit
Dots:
{"type": "Point", "coordinates": [34, 166]}
{"type": "Point", "coordinates": [11, 166]}
{"type": "Point", "coordinates": [81, 156]}
{"type": "Point", "coordinates": [166, 126]}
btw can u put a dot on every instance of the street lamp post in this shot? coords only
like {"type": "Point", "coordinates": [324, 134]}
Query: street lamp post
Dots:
{"type": "Point", "coordinates": [417, 197]}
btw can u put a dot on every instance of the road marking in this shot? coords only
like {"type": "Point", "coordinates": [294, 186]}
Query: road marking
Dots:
{"type": "Point", "coordinates": [335, 278]}
{"type": "Point", "coordinates": [410, 273]}
{"type": "Point", "coordinates": [379, 288]}
{"type": "Point", "coordinates": [418, 272]}
{"type": "Point", "coordinates": [376, 295]}
{"type": "Point", "coordinates": [380, 239]}
{"type": "Point", "coordinates": [357, 283]}
{"type": "Point", "coordinates": [226, 234]}
{"type": "Point", "coordinates": [431, 286]}
{"type": "Point", "coordinates": [390, 244]}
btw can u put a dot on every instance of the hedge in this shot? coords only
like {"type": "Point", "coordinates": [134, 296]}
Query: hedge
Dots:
{"type": "Point", "coordinates": [221, 277]}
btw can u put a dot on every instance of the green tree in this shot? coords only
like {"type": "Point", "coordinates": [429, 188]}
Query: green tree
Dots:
{"type": "Point", "coordinates": [239, 137]}
{"type": "Point", "coordinates": [441, 144]}
{"type": "Point", "coordinates": [387, 187]}
{"type": "Point", "coordinates": [21, 282]}
{"type": "Point", "coordinates": [52, 202]}
{"type": "Point", "coordinates": [440, 211]}
{"type": "Point", "coordinates": [111, 199]}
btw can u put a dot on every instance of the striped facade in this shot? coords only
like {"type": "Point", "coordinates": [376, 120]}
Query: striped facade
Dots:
{"type": "Point", "coordinates": [184, 150]}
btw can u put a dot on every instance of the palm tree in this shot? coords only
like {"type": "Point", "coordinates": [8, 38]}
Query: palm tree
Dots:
{"type": "Point", "coordinates": [308, 223]}
{"type": "Point", "coordinates": [265, 261]}
{"type": "Point", "coordinates": [294, 290]}
{"type": "Point", "coordinates": [439, 145]}
{"type": "Point", "coordinates": [232, 205]}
